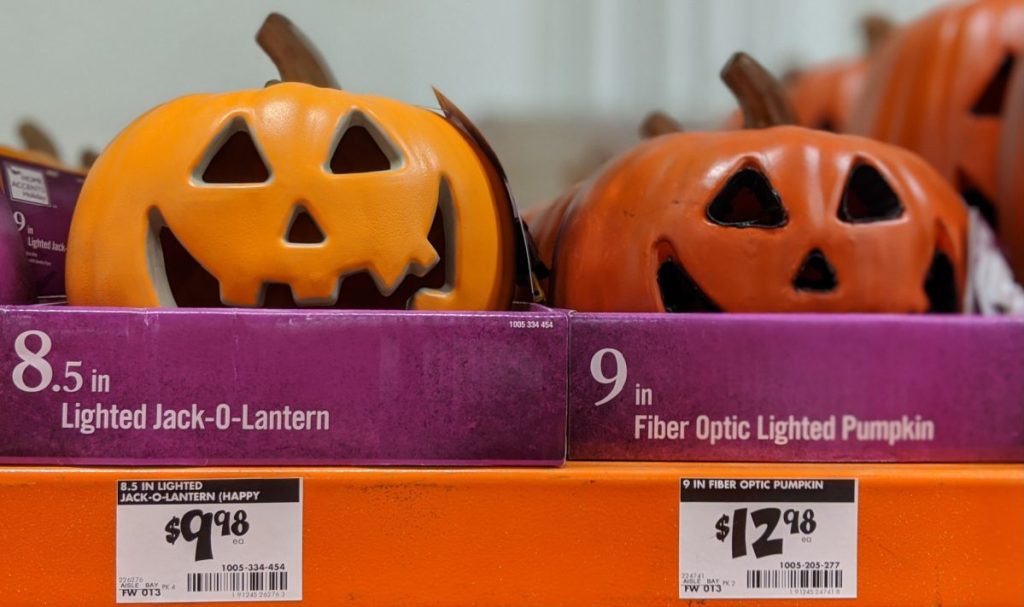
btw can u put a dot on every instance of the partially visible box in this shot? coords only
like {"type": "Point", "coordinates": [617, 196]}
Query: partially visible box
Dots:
{"type": "Point", "coordinates": [796, 387]}
{"type": "Point", "coordinates": [42, 198]}
{"type": "Point", "coordinates": [175, 386]}
{"type": "Point", "coordinates": [16, 283]}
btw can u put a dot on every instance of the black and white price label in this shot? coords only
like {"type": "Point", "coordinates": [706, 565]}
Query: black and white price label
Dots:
{"type": "Point", "coordinates": [187, 541]}
{"type": "Point", "coordinates": [743, 538]}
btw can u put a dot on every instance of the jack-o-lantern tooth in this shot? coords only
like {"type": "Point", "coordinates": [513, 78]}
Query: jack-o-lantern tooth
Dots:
{"type": "Point", "coordinates": [241, 291]}
{"type": "Point", "coordinates": [315, 289]}
{"type": "Point", "coordinates": [423, 259]}
{"type": "Point", "coordinates": [388, 274]}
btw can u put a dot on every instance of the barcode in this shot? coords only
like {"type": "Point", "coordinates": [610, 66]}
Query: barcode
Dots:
{"type": "Point", "coordinates": [793, 578]}
{"type": "Point", "coordinates": [237, 582]}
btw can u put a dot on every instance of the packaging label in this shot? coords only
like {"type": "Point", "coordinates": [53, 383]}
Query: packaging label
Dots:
{"type": "Point", "coordinates": [269, 387]}
{"type": "Point", "coordinates": [188, 541]}
{"type": "Point", "coordinates": [742, 538]}
{"type": "Point", "coordinates": [42, 201]}
{"type": "Point", "coordinates": [27, 185]}
{"type": "Point", "coordinates": [794, 387]}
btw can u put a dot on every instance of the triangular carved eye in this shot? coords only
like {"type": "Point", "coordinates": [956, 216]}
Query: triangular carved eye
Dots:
{"type": "Point", "coordinates": [868, 197]}
{"type": "Point", "coordinates": [748, 200]}
{"type": "Point", "coordinates": [362, 148]}
{"type": "Point", "coordinates": [234, 158]}
{"type": "Point", "coordinates": [990, 102]}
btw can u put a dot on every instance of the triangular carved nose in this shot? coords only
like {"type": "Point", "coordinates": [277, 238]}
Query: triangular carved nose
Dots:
{"type": "Point", "coordinates": [815, 274]}
{"type": "Point", "coordinates": [303, 229]}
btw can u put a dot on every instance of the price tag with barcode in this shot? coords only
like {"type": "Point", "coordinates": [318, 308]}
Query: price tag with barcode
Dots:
{"type": "Point", "coordinates": [209, 540]}
{"type": "Point", "coordinates": [743, 538]}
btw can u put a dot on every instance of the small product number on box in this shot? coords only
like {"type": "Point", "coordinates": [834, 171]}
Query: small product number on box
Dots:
{"type": "Point", "coordinates": [531, 324]}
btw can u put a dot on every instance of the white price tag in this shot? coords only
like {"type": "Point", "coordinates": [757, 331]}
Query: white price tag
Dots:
{"type": "Point", "coordinates": [752, 538]}
{"type": "Point", "coordinates": [209, 540]}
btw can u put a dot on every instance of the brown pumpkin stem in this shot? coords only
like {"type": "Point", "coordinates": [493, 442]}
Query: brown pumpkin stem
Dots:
{"type": "Point", "coordinates": [295, 57]}
{"type": "Point", "coordinates": [34, 138]}
{"type": "Point", "coordinates": [791, 75]}
{"type": "Point", "coordinates": [759, 94]}
{"type": "Point", "coordinates": [659, 123]}
{"type": "Point", "coordinates": [875, 29]}
{"type": "Point", "coordinates": [88, 158]}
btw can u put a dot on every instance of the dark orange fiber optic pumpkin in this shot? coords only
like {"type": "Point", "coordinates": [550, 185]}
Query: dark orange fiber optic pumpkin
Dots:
{"type": "Point", "coordinates": [939, 88]}
{"type": "Point", "coordinates": [293, 194]}
{"type": "Point", "coordinates": [778, 219]}
{"type": "Point", "coordinates": [824, 96]}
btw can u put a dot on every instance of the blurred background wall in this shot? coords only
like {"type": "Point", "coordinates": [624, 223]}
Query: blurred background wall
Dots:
{"type": "Point", "coordinates": [558, 86]}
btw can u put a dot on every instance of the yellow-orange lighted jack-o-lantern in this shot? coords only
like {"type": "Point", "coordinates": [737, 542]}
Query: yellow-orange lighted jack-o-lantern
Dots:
{"type": "Point", "coordinates": [292, 195]}
{"type": "Point", "coordinates": [776, 219]}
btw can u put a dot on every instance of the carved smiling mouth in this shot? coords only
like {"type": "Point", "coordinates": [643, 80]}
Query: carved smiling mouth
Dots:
{"type": "Point", "coordinates": [974, 197]}
{"type": "Point", "coordinates": [181, 281]}
{"type": "Point", "coordinates": [679, 292]}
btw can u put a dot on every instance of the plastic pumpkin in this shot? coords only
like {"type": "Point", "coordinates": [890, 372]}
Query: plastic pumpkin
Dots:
{"type": "Point", "coordinates": [776, 219]}
{"type": "Point", "coordinates": [938, 87]}
{"type": "Point", "coordinates": [824, 96]}
{"type": "Point", "coordinates": [292, 195]}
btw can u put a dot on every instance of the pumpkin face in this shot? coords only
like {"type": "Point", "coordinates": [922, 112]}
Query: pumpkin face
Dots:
{"type": "Point", "coordinates": [291, 195]}
{"type": "Point", "coordinates": [938, 87]}
{"type": "Point", "coordinates": [1010, 208]}
{"type": "Point", "coordinates": [777, 219]}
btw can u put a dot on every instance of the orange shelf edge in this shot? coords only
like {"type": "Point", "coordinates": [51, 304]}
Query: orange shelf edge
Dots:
{"type": "Point", "coordinates": [587, 534]}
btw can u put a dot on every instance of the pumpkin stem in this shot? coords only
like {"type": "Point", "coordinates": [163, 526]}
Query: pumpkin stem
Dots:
{"type": "Point", "coordinates": [659, 123]}
{"type": "Point", "coordinates": [295, 57]}
{"type": "Point", "coordinates": [791, 75]}
{"type": "Point", "coordinates": [760, 96]}
{"type": "Point", "coordinates": [34, 138]}
{"type": "Point", "coordinates": [88, 158]}
{"type": "Point", "coordinates": [875, 29]}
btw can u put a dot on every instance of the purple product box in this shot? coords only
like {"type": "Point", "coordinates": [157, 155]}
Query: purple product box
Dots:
{"type": "Point", "coordinates": [800, 388]}
{"type": "Point", "coordinates": [16, 286]}
{"type": "Point", "coordinates": [42, 200]}
{"type": "Point", "coordinates": [156, 387]}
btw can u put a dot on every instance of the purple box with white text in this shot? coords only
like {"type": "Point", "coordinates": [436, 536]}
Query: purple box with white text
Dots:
{"type": "Point", "coordinates": [158, 387]}
{"type": "Point", "coordinates": [796, 387]}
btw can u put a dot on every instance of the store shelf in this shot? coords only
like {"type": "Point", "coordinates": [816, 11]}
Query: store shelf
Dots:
{"type": "Point", "coordinates": [586, 534]}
